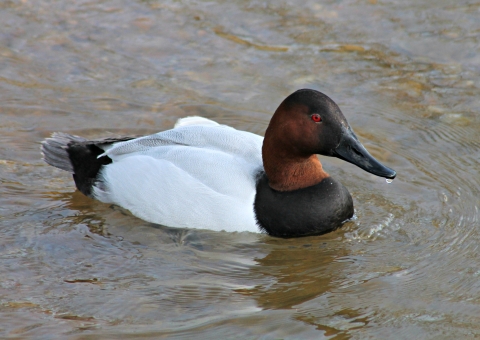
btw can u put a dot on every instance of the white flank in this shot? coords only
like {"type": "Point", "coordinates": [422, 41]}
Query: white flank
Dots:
{"type": "Point", "coordinates": [198, 175]}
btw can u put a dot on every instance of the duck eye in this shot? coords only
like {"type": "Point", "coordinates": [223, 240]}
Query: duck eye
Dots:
{"type": "Point", "coordinates": [316, 118]}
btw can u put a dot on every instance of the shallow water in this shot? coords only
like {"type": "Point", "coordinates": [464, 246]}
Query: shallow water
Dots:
{"type": "Point", "coordinates": [406, 75]}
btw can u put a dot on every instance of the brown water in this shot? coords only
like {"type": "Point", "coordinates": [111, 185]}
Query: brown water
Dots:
{"type": "Point", "coordinates": [406, 75]}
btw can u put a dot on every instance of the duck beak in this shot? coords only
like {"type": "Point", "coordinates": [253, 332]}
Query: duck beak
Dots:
{"type": "Point", "coordinates": [351, 150]}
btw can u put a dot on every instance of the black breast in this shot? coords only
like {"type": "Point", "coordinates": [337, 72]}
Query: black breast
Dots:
{"type": "Point", "coordinates": [315, 210]}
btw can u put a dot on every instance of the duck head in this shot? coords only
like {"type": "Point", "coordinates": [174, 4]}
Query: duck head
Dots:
{"type": "Point", "coordinates": [305, 124]}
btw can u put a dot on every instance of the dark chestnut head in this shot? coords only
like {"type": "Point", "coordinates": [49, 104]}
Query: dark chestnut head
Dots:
{"type": "Point", "coordinates": [308, 122]}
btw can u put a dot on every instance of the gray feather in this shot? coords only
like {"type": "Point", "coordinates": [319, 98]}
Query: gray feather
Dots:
{"type": "Point", "coordinates": [54, 150]}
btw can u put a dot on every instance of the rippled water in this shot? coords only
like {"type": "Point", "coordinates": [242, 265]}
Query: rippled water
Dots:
{"type": "Point", "coordinates": [406, 75]}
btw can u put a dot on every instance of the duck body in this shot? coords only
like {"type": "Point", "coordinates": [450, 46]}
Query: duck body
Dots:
{"type": "Point", "coordinates": [194, 176]}
{"type": "Point", "coordinates": [205, 175]}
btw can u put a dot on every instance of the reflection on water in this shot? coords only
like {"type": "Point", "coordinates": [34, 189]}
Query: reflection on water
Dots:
{"type": "Point", "coordinates": [406, 77]}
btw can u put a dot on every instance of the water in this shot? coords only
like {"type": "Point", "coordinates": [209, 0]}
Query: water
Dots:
{"type": "Point", "coordinates": [406, 76]}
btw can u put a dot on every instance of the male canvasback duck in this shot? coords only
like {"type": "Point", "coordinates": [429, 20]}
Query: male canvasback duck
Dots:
{"type": "Point", "coordinates": [204, 175]}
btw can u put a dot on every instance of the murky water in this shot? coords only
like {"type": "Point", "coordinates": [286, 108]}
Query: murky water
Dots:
{"type": "Point", "coordinates": [406, 75]}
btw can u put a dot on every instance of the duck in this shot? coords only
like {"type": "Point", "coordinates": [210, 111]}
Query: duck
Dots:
{"type": "Point", "coordinates": [205, 175]}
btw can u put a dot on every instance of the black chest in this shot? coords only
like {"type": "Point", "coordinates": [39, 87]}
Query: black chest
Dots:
{"type": "Point", "coordinates": [314, 210]}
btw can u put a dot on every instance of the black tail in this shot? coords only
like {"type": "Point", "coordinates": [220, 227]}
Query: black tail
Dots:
{"type": "Point", "coordinates": [78, 156]}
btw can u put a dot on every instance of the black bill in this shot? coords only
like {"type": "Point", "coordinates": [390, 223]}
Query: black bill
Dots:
{"type": "Point", "coordinates": [351, 150]}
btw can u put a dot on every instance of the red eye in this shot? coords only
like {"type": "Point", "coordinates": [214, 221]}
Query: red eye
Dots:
{"type": "Point", "coordinates": [316, 118]}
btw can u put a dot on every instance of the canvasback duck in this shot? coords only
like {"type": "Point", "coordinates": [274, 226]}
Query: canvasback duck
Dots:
{"type": "Point", "coordinates": [201, 174]}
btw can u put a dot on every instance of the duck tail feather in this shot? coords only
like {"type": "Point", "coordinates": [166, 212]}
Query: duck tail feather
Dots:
{"type": "Point", "coordinates": [54, 150]}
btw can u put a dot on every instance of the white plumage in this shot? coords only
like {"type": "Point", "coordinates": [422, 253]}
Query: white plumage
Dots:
{"type": "Point", "coordinates": [198, 175]}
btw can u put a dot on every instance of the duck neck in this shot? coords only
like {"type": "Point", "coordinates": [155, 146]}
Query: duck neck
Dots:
{"type": "Point", "coordinates": [287, 171]}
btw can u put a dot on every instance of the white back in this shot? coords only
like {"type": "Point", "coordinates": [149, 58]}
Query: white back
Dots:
{"type": "Point", "coordinates": [199, 175]}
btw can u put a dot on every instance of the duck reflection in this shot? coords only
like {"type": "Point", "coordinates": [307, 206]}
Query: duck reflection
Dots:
{"type": "Point", "coordinates": [299, 270]}
{"type": "Point", "coordinates": [110, 220]}
{"type": "Point", "coordinates": [196, 268]}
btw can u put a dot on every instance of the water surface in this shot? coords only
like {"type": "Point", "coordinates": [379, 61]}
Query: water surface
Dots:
{"type": "Point", "coordinates": [406, 75]}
